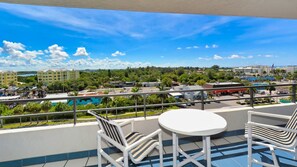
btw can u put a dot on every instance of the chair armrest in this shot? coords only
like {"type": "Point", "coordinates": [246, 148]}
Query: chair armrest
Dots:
{"type": "Point", "coordinates": [101, 134]}
{"type": "Point", "coordinates": [128, 148]}
{"type": "Point", "coordinates": [251, 113]}
{"type": "Point", "coordinates": [131, 121]}
{"type": "Point", "coordinates": [272, 127]}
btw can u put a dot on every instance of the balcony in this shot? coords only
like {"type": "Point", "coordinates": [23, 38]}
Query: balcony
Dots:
{"type": "Point", "coordinates": [75, 144]}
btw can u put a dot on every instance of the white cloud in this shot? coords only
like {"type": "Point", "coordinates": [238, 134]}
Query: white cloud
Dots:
{"type": "Point", "coordinates": [1, 50]}
{"type": "Point", "coordinates": [268, 56]}
{"type": "Point", "coordinates": [189, 47]}
{"type": "Point", "coordinates": [196, 47]}
{"type": "Point", "coordinates": [179, 48]}
{"type": "Point", "coordinates": [11, 63]}
{"type": "Point", "coordinates": [18, 50]}
{"type": "Point", "coordinates": [234, 57]}
{"type": "Point", "coordinates": [204, 58]}
{"type": "Point", "coordinates": [118, 53]}
{"type": "Point", "coordinates": [104, 64]}
{"type": "Point", "coordinates": [250, 57]}
{"type": "Point", "coordinates": [214, 46]}
{"type": "Point", "coordinates": [57, 52]}
{"type": "Point", "coordinates": [13, 49]}
{"type": "Point", "coordinates": [81, 51]}
{"type": "Point", "coordinates": [217, 57]}
{"type": "Point", "coordinates": [32, 54]}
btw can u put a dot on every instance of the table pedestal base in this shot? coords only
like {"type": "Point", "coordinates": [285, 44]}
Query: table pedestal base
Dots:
{"type": "Point", "coordinates": [205, 151]}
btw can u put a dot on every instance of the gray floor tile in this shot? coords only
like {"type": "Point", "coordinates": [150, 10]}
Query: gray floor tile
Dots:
{"type": "Point", "coordinates": [189, 147]}
{"type": "Point", "coordinates": [92, 161]}
{"type": "Point", "coordinates": [168, 149]}
{"type": "Point", "coordinates": [77, 162]}
{"type": "Point", "coordinates": [234, 139]}
{"type": "Point", "coordinates": [219, 142]}
{"type": "Point", "coordinates": [200, 144]}
{"type": "Point", "coordinates": [242, 137]}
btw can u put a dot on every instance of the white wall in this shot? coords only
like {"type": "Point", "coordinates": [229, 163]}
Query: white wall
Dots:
{"type": "Point", "coordinates": [41, 141]}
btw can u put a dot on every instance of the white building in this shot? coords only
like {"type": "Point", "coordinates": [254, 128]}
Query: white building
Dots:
{"type": "Point", "coordinates": [291, 69]}
{"type": "Point", "coordinates": [253, 70]}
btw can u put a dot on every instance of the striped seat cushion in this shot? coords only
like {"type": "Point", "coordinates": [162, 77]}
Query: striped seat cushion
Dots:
{"type": "Point", "coordinates": [111, 130]}
{"type": "Point", "coordinates": [277, 136]}
{"type": "Point", "coordinates": [280, 137]}
{"type": "Point", "coordinates": [138, 153]}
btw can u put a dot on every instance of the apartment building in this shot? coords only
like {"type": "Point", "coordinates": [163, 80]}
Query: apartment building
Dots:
{"type": "Point", "coordinates": [254, 70]}
{"type": "Point", "coordinates": [291, 69]}
{"type": "Point", "coordinates": [50, 76]}
{"type": "Point", "coordinates": [7, 77]}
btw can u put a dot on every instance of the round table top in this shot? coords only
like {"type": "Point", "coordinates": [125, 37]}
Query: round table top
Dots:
{"type": "Point", "coordinates": [192, 122]}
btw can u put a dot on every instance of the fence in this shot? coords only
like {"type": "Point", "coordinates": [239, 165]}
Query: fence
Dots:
{"type": "Point", "coordinates": [144, 106]}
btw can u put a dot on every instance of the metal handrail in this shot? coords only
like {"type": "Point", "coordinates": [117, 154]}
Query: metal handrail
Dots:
{"type": "Point", "coordinates": [144, 105]}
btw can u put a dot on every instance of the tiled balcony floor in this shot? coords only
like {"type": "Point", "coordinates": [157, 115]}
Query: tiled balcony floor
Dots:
{"type": "Point", "coordinates": [226, 152]}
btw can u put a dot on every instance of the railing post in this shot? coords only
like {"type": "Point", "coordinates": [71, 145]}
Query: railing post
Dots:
{"type": "Point", "coordinates": [116, 111]}
{"type": "Point", "coordinates": [135, 106]}
{"type": "Point", "coordinates": [251, 97]}
{"type": "Point", "coordinates": [74, 112]}
{"type": "Point", "coordinates": [294, 93]}
{"type": "Point", "coordinates": [162, 104]}
{"type": "Point", "coordinates": [1, 123]}
{"type": "Point", "coordinates": [202, 99]}
{"type": "Point", "coordinates": [144, 105]}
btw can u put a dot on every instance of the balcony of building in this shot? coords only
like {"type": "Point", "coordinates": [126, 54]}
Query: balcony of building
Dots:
{"type": "Point", "coordinates": [75, 144]}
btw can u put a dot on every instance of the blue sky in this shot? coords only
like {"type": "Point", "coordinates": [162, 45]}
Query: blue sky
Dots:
{"type": "Point", "coordinates": [37, 38]}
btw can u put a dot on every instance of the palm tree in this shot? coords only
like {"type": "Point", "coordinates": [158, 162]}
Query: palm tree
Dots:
{"type": "Point", "coordinates": [135, 97]}
{"type": "Point", "coordinates": [106, 100]}
{"type": "Point", "coordinates": [162, 95]}
{"type": "Point", "coordinates": [46, 106]}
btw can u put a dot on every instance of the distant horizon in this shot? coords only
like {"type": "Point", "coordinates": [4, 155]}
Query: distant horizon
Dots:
{"type": "Point", "coordinates": [41, 38]}
{"type": "Point", "coordinates": [143, 67]}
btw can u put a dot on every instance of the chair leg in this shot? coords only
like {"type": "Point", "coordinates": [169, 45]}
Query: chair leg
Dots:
{"type": "Point", "coordinates": [249, 142]}
{"type": "Point", "coordinates": [126, 160]}
{"type": "Point", "coordinates": [161, 149]}
{"type": "Point", "coordinates": [275, 161]}
{"type": "Point", "coordinates": [99, 150]}
{"type": "Point", "coordinates": [295, 153]}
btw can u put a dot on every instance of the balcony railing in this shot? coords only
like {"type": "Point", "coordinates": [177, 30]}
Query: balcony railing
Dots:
{"type": "Point", "coordinates": [252, 97]}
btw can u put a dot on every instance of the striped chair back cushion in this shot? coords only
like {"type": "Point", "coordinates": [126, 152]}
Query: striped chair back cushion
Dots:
{"type": "Point", "coordinates": [111, 129]}
{"type": "Point", "coordinates": [290, 137]}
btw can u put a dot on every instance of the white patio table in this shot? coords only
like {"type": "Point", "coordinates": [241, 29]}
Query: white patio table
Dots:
{"type": "Point", "coordinates": [192, 122]}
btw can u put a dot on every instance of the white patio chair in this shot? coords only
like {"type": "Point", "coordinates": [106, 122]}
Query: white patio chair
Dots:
{"type": "Point", "coordinates": [135, 146]}
{"type": "Point", "coordinates": [273, 137]}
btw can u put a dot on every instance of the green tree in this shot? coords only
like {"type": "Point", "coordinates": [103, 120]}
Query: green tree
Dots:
{"type": "Point", "coordinates": [19, 109]}
{"type": "Point", "coordinates": [46, 106]}
{"type": "Point", "coordinates": [32, 107]}
{"type": "Point", "coordinates": [215, 67]}
{"type": "Point", "coordinates": [201, 82]}
{"type": "Point", "coordinates": [153, 99]}
{"type": "Point", "coordinates": [62, 107]}
{"type": "Point", "coordinates": [3, 109]}
{"type": "Point", "coordinates": [92, 88]}
{"type": "Point", "coordinates": [167, 81]}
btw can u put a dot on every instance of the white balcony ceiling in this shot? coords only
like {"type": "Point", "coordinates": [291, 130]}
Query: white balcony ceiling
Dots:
{"type": "Point", "coordinates": [257, 8]}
